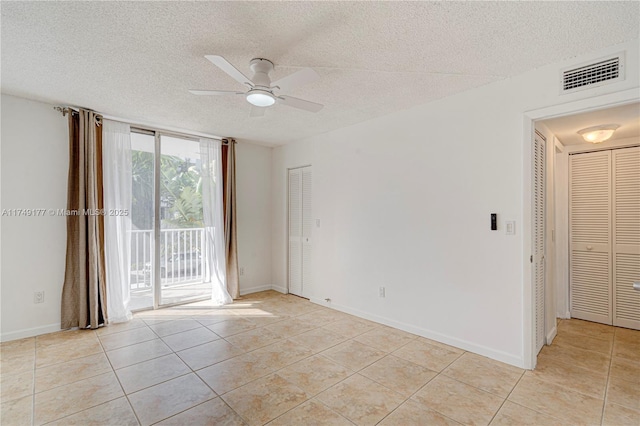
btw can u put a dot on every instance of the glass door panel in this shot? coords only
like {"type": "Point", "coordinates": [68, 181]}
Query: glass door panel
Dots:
{"type": "Point", "coordinates": [142, 220]}
{"type": "Point", "coordinates": [181, 238]}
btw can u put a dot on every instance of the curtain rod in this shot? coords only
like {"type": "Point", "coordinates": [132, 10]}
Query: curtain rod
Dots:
{"type": "Point", "coordinates": [177, 132]}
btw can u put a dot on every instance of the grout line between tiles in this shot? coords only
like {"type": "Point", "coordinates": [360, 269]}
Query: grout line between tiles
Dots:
{"type": "Point", "coordinates": [606, 386]}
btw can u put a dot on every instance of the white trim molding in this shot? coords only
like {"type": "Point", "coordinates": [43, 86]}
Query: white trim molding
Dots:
{"type": "Point", "coordinates": [29, 332]}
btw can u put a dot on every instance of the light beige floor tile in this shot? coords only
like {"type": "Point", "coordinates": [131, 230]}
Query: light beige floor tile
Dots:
{"type": "Point", "coordinates": [315, 374]}
{"type": "Point", "coordinates": [168, 328]}
{"type": "Point", "coordinates": [18, 355]}
{"type": "Point", "coordinates": [311, 413]}
{"type": "Point", "coordinates": [264, 320]}
{"type": "Point", "coordinates": [281, 354]}
{"type": "Point", "coordinates": [126, 338]}
{"type": "Point", "coordinates": [169, 398]}
{"type": "Point", "coordinates": [66, 337]}
{"type": "Point", "coordinates": [412, 413]}
{"type": "Point", "coordinates": [516, 415]}
{"type": "Point", "coordinates": [291, 327]}
{"type": "Point", "coordinates": [587, 328]}
{"type": "Point", "coordinates": [71, 371]}
{"type": "Point", "coordinates": [557, 401]}
{"type": "Point", "coordinates": [484, 373]}
{"type": "Point", "coordinates": [323, 317]}
{"type": "Point", "coordinates": [265, 399]}
{"type": "Point", "coordinates": [139, 352]}
{"type": "Point", "coordinates": [148, 373]}
{"type": "Point", "coordinates": [254, 339]}
{"type": "Point", "coordinates": [440, 345]}
{"type": "Point", "coordinates": [626, 349]}
{"type": "Point", "coordinates": [349, 328]}
{"type": "Point", "coordinates": [212, 412]}
{"type": "Point", "coordinates": [570, 376]}
{"type": "Point", "coordinates": [361, 400]}
{"type": "Point", "coordinates": [433, 357]}
{"type": "Point", "coordinates": [69, 399]}
{"type": "Point", "coordinates": [617, 415]}
{"type": "Point", "coordinates": [15, 386]}
{"type": "Point", "coordinates": [626, 369]}
{"type": "Point", "coordinates": [116, 412]}
{"type": "Point", "coordinates": [190, 338]}
{"type": "Point", "coordinates": [214, 317]}
{"type": "Point", "coordinates": [458, 401]}
{"type": "Point", "coordinates": [208, 354]}
{"type": "Point", "coordinates": [399, 375]}
{"type": "Point", "coordinates": [589, 360]}
{"type": "Point", "coordinates": [233, 373]}
{"type": "Point", "coordinates": [353, 355]}
{"type": "Point", "coordinates": [16, 412]}
{"type": "Point", "coordinates": [623, 392]}
{"type": "Point", "coordinates": [595, 344]}
{"type": "Point", "coordinates": [232, 326]}
{"type": "Point", "coordinates": [121, 326]}
{"type": "Point", "coordinates": [56, 354]}
{"type": "Point", "coordinates": [385, 338]}
{"type": "Point", "coordinates": [627, 335]}
{"type": "Point", "coordinates": [319, 339]}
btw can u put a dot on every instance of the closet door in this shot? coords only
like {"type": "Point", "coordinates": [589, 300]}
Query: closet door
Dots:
{"type": "Point", "coordinates": [307, 227]}
{"type": "Point", "coordinates": [626, 236]}
{"type": "Point", "coordinates": [295, 231]}
{"type": "Point", "coordinates": [538, 231]}
{"type": "Point", "coordinates": [589, 237]}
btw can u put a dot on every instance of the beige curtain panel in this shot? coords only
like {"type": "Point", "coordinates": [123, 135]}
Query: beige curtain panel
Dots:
{"type": "Point", "coordinates": [230, 222]}
{"type": "Point", "coordinates": [84, 290]}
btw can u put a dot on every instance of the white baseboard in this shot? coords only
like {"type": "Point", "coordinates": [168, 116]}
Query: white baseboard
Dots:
{"type": "Point", "coordinates": [29, 332]}
{"type": "Point", "coordinates": [255, 289]}
{"type": "Point", "coordinates": [429, 334]}
{"type": "Point", "coordinates": [280, 289]}
{"type": "Point", "coordinates": [552, 335]}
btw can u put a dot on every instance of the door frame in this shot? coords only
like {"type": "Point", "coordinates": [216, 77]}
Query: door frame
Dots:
{"type": "Point", "coordinates": [287, 223]}
{"type": "Point", "coordinates": [529, 118]}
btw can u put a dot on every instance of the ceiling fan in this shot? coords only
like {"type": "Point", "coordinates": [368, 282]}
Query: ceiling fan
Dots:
{"type": "Point", "coordinates": [262, 92]}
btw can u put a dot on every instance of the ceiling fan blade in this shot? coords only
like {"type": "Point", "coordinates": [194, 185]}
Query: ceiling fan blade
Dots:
{"type": "Point", "coordinates": [226, 66]}
{"type": "Point", "coordinates": [300, 103]}
{"type": "Point", "coordinates": [256, 111]}
{"type": "Point", "coordinates": [214, 92]}
{"type": "Point", "coordinates": [304, 76]}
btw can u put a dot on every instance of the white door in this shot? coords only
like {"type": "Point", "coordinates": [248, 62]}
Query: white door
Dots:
{"type": "Point", "coordinates": [300, 228]}
{"type": "Point", "coordinates": [626, 236]}
{"type": "Point", "coordinates": [589, 236]}
{"type": "Point", "coordinates": [538, 235]}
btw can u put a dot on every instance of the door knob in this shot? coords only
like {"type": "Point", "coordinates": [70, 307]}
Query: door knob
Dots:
{"type": "Point", "coordinates": [636, 286]}
{"type": "Point", "coordinates": [589, 247]}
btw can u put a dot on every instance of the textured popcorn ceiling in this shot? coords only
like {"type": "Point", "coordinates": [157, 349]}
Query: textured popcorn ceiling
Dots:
{"type": "Point", "coordinates": [137, 60]}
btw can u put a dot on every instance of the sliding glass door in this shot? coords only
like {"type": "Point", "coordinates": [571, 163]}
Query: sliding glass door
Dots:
{"type": "Point", "coordinates": [168, 242]}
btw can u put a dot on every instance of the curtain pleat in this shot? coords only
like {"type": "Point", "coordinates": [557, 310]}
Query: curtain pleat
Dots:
{"type": "Point", "coordinates": [84, 289]}
{"type": "Point", "coordinates": [230, 222]}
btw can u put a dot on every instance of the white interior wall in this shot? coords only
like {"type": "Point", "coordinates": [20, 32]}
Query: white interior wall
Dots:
{"type": "Point", "coordinates": [253, 189]}
{"type": "Point", "coordinates": [34, 175]}
{"type": "Point", "coordinates": [404, 202]}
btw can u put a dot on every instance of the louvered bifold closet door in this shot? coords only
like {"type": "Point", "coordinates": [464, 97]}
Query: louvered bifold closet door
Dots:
{"type": "Point", "coordinates": [590, 247]}
{"type": "Point", "coordinates": [307, 228]}
{"type": "Point", "coordinates": [538, 231]}
{"type": "Point", "coordinates": [626, 237]}
{"type": "Point", "coordinates": [295, 231]}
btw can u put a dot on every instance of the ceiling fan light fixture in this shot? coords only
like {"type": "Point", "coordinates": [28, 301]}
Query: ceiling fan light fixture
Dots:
{"type": "Point", "coordinates": [598, 134]}
{"type": "Point", "coordinates": [260, 98]}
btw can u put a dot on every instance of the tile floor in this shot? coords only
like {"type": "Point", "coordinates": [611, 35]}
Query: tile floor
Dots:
{"type": "Point", "coordinates": [281, 360]}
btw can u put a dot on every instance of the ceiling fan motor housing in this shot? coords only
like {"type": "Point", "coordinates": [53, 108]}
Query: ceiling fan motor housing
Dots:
{"type": "Point", "coordinates": [261, 69]}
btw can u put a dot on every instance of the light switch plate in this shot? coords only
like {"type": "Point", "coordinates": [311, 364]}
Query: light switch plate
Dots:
{"type": "Point", "coordinates": [510, 227]}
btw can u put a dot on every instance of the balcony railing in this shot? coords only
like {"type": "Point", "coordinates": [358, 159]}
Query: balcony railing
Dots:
{"type": "Point", "coordinates": [182, 257]}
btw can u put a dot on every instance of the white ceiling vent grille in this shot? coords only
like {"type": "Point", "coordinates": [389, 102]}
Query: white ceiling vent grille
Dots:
{"type": "Point", "coordinates": [604, 71]}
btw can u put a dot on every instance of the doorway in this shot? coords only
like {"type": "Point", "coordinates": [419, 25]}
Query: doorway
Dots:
{"type": "Point", "coordinates": [564, 252]}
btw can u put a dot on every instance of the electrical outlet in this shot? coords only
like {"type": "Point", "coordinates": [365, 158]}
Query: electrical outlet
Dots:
{"type": "Point", "coordinates": [381, 292]}
{"type": "Point", "coordinates": [38, 297]}
{"type": "Point", "coordinates": [242, 270]}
